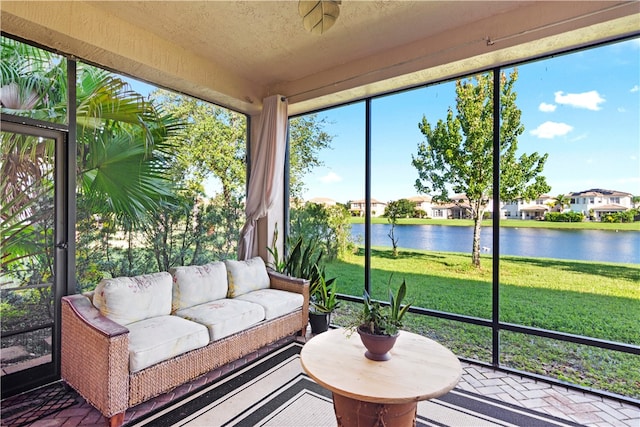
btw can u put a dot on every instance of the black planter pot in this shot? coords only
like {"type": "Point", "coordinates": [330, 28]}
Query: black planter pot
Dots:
{"type": "Point", "coordinates": [319, 322]}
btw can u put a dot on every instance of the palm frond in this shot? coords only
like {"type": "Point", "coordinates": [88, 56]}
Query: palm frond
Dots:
{"type": "Point", "coordinates": [120, 176]}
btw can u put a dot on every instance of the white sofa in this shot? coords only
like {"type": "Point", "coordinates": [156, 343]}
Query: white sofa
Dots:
{"type": "Point", "coordinates": [134, 338]}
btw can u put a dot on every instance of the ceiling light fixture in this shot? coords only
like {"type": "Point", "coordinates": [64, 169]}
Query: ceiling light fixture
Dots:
{"type": "Point", "coordinates": [319, 15]}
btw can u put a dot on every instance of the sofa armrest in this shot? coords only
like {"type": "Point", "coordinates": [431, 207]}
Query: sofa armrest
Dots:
{"type": "Point", "coordinates": [288, 283]}
{"type": "Point", "coordinates": [85, 310]}
{"type": "Point", "coordinates": [293, 284]}
{"type": "Point", "coordinates": [95, 355]}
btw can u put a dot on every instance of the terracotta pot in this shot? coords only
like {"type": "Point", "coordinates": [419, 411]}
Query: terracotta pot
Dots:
{"type": "Point", "coordinates": [378, 346]}
{"type": "Point", "coordinates": [352, 412]}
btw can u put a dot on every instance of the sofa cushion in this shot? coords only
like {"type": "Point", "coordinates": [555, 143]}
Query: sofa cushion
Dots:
{"type": "Point", "coordinates": [275, 302]}
{"type": "Point", "coordinates": [160, 338]}
{"type": "Point", "coordinates": [197, 284]}
{"type": "Point", "coordinates": [246, 276]}
{"type": "Point", "coordinates": [224, 317]}
{"type": "Point", "coordinates": [130, 299]}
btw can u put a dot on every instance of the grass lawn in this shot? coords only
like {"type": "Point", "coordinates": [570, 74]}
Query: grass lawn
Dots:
{"type": "Point", "coordinates": [633, 226]}
{"type": "Point", "coordinates": [600, 300]}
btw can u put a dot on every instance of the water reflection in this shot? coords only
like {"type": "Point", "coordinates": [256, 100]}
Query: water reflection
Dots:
{"type": "Point", "coordinates": [584, 245]}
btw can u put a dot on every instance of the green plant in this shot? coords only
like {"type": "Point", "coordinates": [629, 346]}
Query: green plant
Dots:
{"type": "Point", "coordinates": [325, 299]}
{"type": "Point", "coordinates": [564, 216]}
{"type": "Point", "coordinates": [329, 226]}
{"type": "Point", "coordinates": [379, 319]}
{"type": "Point", "coordinates": [9, 311]}
{"type": "Point", "coordinates": [278, 264]}
{"type": "Point", "coordinates": [304, 261]}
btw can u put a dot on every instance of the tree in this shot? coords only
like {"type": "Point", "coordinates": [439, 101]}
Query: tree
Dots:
{"type": "Point", "coordinates": [561, 201]}
{"type": "Point", "coordinates": [29, 86]}
{"type": "Point", "coordinates": [393, 220]}
{"type": "Point", "coordinates": [402, 208]}
{"type": "Point", "coordinates": [125, 147]}
{"type": "Point", "coordinates": [458, 152]}
{"type": "Point", "coordinates": [122, 148]}
{"type": "Point", "coordinates": [116, 129]}
{"type": "Point", "coordinates": [212, 148]}
{"type": "Point", "coordinates": [328, 226]}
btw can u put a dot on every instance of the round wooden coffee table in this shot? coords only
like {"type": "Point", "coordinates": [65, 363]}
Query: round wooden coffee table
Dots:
{"type": "Point", "coordinates": [367, 393]}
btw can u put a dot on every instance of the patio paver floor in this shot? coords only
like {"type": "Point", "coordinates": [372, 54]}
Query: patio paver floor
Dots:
{"type": "Point", "coordinates": [577, 406]}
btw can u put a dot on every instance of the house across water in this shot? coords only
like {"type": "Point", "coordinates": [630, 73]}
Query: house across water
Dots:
{"type": "Point", "coordinates": [594, 204]}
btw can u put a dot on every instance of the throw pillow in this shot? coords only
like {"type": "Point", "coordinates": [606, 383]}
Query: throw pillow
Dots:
{"type": "Point", "coordinates": [130, 299]}
{"type": "Point", "coordinates": [197, 284]}
{"type": "Point", "coordinates": [246, 276]}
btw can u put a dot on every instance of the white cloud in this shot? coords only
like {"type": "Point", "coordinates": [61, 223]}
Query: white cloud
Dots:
{"type": "Point", "coordinates": [330, 178]}
{"type": "Point", "coordinates": [621, 110]}
{"type": "Point", "coordinates": [547, 108]}
{"type": "Point", "coordinates": [549, 130]}
{"type": "Point", "coordinates": [590, 100]}
{"type": "Point", "coordinates": [635, 89]}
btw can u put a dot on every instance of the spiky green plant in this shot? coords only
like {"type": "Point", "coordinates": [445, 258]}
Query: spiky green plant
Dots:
{"type": "Point", "coordinates": [383, 319]}
{"type": "Point", "coordinates": [325, 297]}
{"type": "Point", "coordinates": [304, 261]}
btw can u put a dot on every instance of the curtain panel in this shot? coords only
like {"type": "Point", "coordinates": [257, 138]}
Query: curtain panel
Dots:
{"type": "Point", "coordinates": [267, 170]}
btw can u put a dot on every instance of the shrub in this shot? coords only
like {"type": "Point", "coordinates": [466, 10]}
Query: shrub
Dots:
{"type": "Point", "coordinates": [329, 226]}
{"type": "Point", "coordinates": [8, 311]}
{"type": "Point", "coordinates": [618, 217]}
{"type": "Point", "coordinates": [564, 217]}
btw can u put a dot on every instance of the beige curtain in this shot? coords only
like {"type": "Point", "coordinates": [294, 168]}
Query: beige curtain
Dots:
{"type": "Point", "coordinates": [267, 169]}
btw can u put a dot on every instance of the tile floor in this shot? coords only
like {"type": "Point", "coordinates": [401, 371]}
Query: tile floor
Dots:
{"type": "Point", "coordinates": [580, 407]}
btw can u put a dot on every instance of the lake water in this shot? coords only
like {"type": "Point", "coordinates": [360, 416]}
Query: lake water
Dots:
{"type": "Point", "coordinates": [585, 245]}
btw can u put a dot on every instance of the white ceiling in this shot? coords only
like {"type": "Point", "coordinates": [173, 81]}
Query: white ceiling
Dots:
{"type": "Point", "coordinates": [235, 53]}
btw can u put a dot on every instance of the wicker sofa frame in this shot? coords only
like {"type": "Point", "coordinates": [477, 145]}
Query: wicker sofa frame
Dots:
{"type": "Point", "coordinates": [95, 355]}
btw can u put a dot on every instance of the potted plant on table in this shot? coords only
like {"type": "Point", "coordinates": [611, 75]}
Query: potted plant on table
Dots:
{"type": "Point", "coordinates": [378, 325]}
{"type": "Point", "coordinates": [324, 301]}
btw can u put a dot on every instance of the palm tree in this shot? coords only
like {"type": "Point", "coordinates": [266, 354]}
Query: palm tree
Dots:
{"type": "Point", "coordinates": [26, 162]}
{"type": "Point", "coordinates": [122, 145]}
{"type": "Point", "coordinates": [561, 201]}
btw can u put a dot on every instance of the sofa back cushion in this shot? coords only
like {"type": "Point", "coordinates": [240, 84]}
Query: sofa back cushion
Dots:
{"type": "Point", "coordinates": [197, 284]}
{"type": "Point", "coordinates": [246, 276]}
{"type": "Point", "coordinates": [130, 299]}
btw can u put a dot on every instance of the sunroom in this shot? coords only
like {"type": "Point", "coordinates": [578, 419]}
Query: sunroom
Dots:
{"type": "Point", "coordinates": [260, 64]}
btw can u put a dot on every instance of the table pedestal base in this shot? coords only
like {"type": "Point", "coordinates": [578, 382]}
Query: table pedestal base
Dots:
{"type": "Point", "coordinates": [356, 413]}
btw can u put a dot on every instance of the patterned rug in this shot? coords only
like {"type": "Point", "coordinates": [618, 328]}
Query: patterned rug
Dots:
{"type": "Point", "coordinates": [273, 391]}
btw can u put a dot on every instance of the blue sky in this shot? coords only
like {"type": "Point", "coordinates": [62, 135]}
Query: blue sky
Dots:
{"type": "Point", "coordinates": [581, 108]}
